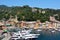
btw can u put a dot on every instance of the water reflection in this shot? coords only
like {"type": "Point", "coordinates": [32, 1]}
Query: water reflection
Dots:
{"type": "Point", "coordinates": [49, 35]}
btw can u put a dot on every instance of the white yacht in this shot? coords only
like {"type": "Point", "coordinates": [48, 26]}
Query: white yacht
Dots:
{"type": "Point", "coordinates": [53, 31]}
{"type": "Point", "coordinates": [31, 36]}
{"type": "Point", "coordinates": [39, 30]}
{"type": "Point", "coordinates": [24, 34]}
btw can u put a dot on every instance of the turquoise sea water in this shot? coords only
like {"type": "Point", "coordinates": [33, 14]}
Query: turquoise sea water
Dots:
{"type": "Point", "coordinates": [48, 35]}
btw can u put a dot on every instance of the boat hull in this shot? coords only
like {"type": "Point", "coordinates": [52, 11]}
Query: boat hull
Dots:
{"type": "Point", "coordinates": [25, 39]}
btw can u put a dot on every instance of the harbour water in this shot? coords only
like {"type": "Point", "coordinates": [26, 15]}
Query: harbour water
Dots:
{"type": "Point", "coordinates": [49, 35]}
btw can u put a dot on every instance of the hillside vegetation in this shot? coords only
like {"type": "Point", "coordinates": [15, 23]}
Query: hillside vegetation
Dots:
{"type": "Point", "coordinates": [28, 13]}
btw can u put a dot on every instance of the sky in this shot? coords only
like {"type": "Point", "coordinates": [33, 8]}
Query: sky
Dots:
{"type": "Point", "coordinates": [55, 4]}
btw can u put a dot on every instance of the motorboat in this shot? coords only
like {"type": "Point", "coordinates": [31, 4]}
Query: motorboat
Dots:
{"type": "Point", "coordinates": [24, 34]}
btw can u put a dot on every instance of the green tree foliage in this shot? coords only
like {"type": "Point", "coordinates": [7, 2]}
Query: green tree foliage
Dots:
{"type": "Point", "coordinates": [25, 13]}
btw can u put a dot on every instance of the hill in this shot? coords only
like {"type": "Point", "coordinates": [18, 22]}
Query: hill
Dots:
{"type": "Point", "coordinates": [28, 13]}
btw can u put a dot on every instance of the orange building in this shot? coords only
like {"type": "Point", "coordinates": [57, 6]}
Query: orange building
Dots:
{"type": "Point", "coordinates": [22, 24]}
{"type": "Point", "coordinates": [37, 24]}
